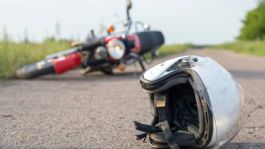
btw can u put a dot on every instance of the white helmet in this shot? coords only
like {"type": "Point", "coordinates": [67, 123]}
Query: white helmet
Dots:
{"type": "Point", "coordinates": [196, 103]}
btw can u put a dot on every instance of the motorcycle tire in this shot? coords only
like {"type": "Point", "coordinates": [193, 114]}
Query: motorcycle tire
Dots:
{"type": "Point", "coordinates": [35, 70]}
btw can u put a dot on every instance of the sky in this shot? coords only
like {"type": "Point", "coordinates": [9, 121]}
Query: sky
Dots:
{"type": "Point", "coordinates": [181, 21]}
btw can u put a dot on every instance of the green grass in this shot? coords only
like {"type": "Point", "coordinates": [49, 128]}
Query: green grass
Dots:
{"type": "Point", "coordinates": [14, 55]}
{"type": "Point", "coordinates": [174, 49]}
{"type": "Point", "coordinates": [247, 47]}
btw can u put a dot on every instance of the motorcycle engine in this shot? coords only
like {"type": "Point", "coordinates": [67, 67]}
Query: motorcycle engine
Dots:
{"type": "Point", "coordinates": [101, 52]}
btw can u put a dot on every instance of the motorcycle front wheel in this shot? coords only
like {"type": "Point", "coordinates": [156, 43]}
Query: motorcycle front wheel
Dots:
{"type": "Point", "coordinates": [35, 70]}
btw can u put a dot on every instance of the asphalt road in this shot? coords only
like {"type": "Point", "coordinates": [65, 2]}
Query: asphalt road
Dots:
{"type": "Point", "coordinates": [97, 111]}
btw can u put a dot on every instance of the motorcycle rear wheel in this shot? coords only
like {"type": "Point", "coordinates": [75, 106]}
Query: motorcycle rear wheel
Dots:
{"type": "Point", "coordinates": [35, 70]}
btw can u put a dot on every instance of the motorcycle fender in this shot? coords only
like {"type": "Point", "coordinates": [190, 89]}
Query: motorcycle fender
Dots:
{"type": "Point", "coordinates": [137, 46]}
{"type": "Point", "coordinates": [65, 63]}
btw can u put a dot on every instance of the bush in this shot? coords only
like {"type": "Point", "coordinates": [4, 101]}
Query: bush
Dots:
{"type": "Point", "coordinates": [254, 24]}
{"type": "Point", "coordinates": [248, 47]}
{"type": "Point", "coordinates": [174, 49]}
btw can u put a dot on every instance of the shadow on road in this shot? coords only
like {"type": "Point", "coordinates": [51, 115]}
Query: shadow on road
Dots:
{"type": "Point", "coordinates": [75, 76]}
{"type": "Point", "coordinates": [244, 145]}
{"type": "Point", "coordinates": [248, 74]}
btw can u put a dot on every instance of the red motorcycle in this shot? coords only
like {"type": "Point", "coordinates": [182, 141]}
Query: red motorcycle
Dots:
{"type": "Point", "coordinates": [101, 54]}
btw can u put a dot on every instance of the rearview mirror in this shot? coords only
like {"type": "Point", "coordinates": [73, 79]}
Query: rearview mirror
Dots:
{"type": "Point", "coordinates": [129, 4]}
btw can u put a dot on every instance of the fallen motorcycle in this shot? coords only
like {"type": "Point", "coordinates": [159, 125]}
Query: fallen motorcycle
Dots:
{"type": "Point", "coordinates": [116, 50]}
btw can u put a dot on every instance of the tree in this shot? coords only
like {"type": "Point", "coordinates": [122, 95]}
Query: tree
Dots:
{"type": "Point", "coordinates": [254, 24]}
{"type": "Point", "coordinates": [26, 38]}
{"type": "Point", "coordinates": [5, 35]}
{"type": "Point", "coordinates": [261, 2]}
{"type": "Point", "coordinates": [58, 31]}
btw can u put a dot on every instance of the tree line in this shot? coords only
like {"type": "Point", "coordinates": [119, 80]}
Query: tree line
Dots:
{"type": "Point", "coordinates": [254, 24]}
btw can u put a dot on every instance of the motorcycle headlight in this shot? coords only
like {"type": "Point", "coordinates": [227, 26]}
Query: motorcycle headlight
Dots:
{"type": "Point", "coordinates": [116, 49]}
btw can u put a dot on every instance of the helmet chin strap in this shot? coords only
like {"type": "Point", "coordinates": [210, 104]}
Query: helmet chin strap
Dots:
{"type": "Point", "coordinates": [160, 104]}
{"type": "Point", "coordinates": [161, 124]}
{"type": "Point", "coordinates": [169, 136]}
